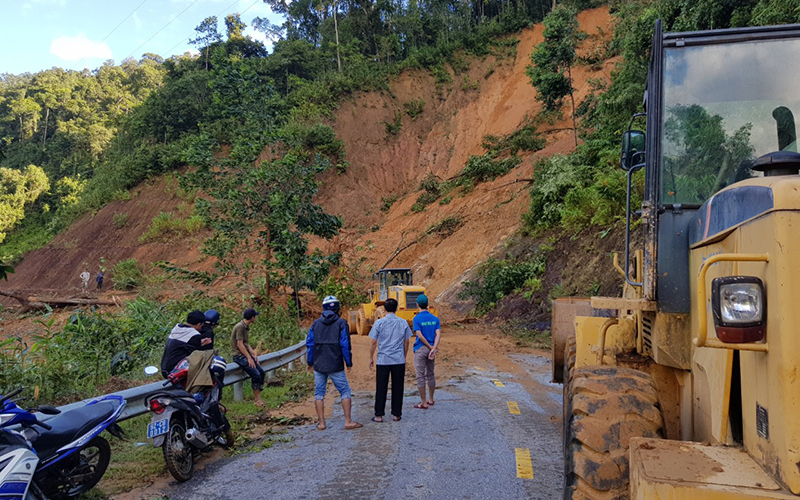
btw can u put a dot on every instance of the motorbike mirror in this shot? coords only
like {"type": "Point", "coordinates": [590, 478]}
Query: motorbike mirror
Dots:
{"type": "Point", "coordinates": [150, 371]}
{"type": "Point", "coordinates": [48, 410]}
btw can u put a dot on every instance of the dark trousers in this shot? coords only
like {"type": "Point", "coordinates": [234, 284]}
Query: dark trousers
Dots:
{"type": "Point", "coordinates": [256, 374]}
{"type": "Point", "coordinates": [398, 373]}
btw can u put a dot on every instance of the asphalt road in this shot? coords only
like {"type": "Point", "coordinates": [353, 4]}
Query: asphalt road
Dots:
{"type": "Point", "coordinates": [468, 446]}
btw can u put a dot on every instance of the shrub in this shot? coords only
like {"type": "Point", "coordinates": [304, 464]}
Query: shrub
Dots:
{"type": "Point", "coordinates": [446, 226]}
{"type": "Point", "coordinates": [394, 127]}
{"type": "Point", "coordinates": [414, 108]}
{"type": "Point", "coordinates": [498, 278]}
{"type": "Point", "coordinates": [126, 274]}
{"type": "Point", "coordinates": [431, 190]}
{"type": "Point", "coordinates": [120, 220]}
{"type": "Point", "coordinates": [388, 201]}
{"type": "Point", "coordinates": [166, 226]}
{"type": "Point", "coordinates": [486, 168]}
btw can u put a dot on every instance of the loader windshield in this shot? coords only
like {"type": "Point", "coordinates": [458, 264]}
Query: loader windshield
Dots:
{"type": "Point", "coordinates": [724, 106]}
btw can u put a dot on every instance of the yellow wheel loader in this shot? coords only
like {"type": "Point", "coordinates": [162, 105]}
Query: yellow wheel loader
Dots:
{"type": "Point", "coordinates": [394, 283]}
{"type": "Point", "coordinates": [687, 387]}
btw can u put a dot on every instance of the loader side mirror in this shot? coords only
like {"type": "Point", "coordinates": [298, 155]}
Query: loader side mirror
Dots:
{"type": "Point", "coordinates": [633, 146]}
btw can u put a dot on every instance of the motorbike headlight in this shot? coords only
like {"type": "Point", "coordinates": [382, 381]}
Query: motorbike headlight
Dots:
{"type": "Point", "coordinates": [739, 306]}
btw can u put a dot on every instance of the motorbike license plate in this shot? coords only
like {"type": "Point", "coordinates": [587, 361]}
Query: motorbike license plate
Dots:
{"type": "Point", "coordinates": [157, 428]}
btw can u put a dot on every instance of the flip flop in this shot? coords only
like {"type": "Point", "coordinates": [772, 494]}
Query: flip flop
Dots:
{"type": "Point", "coordinates": [375, 419]}
{"type": "Point", "coordinates": [430, 403]}
{"type": "Point", "coordinates": [397, 419]}
{"type": "Point", "coordinates": [420, 406]}
{"type": "Point", "coordinates": [355, 425]}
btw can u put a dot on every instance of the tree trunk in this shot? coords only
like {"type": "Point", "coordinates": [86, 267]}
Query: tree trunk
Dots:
{"type": "Point", "coordinates": [44, 135]}
{"type": "Point", "coordinates": [572, 98]}
{"type": "Point", "coordinates": [336, 28]}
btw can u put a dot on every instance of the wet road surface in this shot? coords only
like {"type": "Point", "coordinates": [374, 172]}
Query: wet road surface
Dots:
{"type": "Point", "coordinates": [471, 445]}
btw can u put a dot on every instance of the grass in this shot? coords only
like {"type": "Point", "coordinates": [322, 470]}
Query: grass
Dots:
{"type": "Point", "coordinates": [167, 227]}
{"type": "Point", "coordinates": [135, 462]}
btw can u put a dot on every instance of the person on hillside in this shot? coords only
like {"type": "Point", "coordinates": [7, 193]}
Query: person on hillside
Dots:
{"type": "Point", "coordinates": [99, 279]}
{"type": "Point", "coordinates": [245, 356]}
{"type": "Point", "coordinates": [211, 322]}
{"type": "Point", "coordinates": [329, 352]}
{"type": "Point", "coordinates": [390, 336]}
{"type": "Point", "coordinates": [427, 328]}
{"type": "Point", "coordinates": [184, 339]}
{"type": "Point", "coordinates": [85, 279]}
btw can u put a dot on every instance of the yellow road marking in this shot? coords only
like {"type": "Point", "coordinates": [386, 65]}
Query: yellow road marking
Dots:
{"type": "Point", "coordinates": [513, 408]}
{"type": "Point", "coordinates": [498, 383]}
{"type": "Point", "coordinates": [524, 464]}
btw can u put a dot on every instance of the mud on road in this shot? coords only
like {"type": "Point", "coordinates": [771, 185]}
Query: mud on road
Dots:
{"type": "Point", "coordinates": [468, 446]}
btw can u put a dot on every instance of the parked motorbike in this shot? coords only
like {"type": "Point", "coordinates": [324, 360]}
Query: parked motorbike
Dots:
{"type": "Point", "coordinates": [57, 458]}
{"type": "Point", "coordinates": [185, 424]}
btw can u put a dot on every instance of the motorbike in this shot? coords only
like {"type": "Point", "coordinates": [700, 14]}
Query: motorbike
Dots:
{"type": "Point", "coordinates": [56, 458]}
{"type": "Point", "coordinates": [185, 424]}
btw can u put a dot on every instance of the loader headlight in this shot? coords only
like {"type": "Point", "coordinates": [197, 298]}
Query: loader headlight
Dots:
{"type": "Point", "coordinates": [740, 308]}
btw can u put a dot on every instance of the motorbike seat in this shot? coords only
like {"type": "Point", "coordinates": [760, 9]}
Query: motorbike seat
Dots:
{"type": "Point", "coordinates": [70, 425]}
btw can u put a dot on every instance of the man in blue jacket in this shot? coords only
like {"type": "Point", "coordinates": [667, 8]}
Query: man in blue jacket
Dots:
{"type": "Point", "coordinates": [328, 345]}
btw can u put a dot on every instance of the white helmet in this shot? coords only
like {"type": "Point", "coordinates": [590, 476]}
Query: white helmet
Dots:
{"type": "Point", "coordinates": [330, 303]}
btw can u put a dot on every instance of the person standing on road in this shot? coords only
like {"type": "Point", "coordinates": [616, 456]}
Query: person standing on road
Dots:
{"type": "Point", "coordinates": [390, 336]}
{"type": "Point", "coordinates": [99, 280]}
{"type": "Point", "coordinates": [245, 356]}
{"type": "Point", "coordinates": [427, 328]}
{"type": "Point", "coordinates": [329, 351]}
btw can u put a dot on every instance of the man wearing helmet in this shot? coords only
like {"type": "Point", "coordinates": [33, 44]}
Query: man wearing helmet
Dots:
{"type": "Point", "coordinates": [328, 345]}
{"type": "Point", "coordinates": [207, 330]}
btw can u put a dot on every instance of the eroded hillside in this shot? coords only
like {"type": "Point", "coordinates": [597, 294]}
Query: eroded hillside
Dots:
{"type": "Point", "coordinates": [493, 96]}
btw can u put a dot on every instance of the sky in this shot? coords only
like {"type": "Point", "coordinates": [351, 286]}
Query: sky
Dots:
{"type": "Point", "coordinates": [78, 34]}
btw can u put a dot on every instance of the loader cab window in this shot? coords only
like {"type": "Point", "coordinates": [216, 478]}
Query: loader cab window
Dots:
{"type": "Point", "coordinates": [724, 106]}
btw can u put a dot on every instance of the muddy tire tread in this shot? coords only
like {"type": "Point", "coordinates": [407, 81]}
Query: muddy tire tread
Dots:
{"type": "Point", "coordinates": [604, 408]}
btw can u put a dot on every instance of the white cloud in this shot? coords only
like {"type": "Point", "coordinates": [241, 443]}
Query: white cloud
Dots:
{"type": "Point", "coordinates": [79, 47]}
{"type": "Point", "coordinates": [136, 21]}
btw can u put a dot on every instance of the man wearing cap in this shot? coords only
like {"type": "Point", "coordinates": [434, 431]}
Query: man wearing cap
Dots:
{"type": "Point", "coordinates": [329, 351]}
{"type": "Point", "coordinates": [428, 331]}
{"type": "Point", "coordinates": [245, 356]}
{"type": "Point", "coordinates": [184, 339]}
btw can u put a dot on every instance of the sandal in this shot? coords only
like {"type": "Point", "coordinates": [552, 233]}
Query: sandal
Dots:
{"type": "Point", "coordinates": [397, 419]}
{"type": "Point", "coordinates": [375, 419]}
{"type": "Point", "coordinates": [420, 406]}
{"type": "Point", "coordinates": [431, 403]}
{"type": "Point", "coordinates": [354, 425]}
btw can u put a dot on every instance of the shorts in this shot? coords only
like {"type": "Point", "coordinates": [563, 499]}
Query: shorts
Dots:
{"type": "Point", "coordinates": [339, 380]}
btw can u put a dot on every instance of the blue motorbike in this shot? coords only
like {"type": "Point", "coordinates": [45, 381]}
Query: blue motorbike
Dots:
{"type": "Point", "coordinates": [58, 457]}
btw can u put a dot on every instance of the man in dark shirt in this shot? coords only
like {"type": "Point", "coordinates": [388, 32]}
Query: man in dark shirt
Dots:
{"type": "Point", "coordinates": [328, 345]}
{"type": "Point", "coordinates": [183, 340]}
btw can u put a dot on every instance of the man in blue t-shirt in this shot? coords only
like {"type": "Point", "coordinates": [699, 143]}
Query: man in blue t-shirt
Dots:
{"type": "Point", "coordinates": [428, 331]}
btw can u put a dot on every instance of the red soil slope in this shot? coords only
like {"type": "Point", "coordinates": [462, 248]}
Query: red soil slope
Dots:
{"type": "Point", "coordinates": [451, 127]}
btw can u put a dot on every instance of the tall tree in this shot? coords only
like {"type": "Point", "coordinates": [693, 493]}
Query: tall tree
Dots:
{"type": "Point", "coordinates": [207, 35]}
{"type": "Point", "coordinates": [17, 189]}
{"type": "Point", "coordinates": [551, 61]}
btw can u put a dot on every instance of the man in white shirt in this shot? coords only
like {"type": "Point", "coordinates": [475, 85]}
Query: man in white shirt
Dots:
{"type": "Point", "coordinates": [390, 336]}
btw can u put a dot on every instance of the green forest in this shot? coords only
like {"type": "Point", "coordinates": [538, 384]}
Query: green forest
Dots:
{"type": "Point", "coordinates": [71, 141]}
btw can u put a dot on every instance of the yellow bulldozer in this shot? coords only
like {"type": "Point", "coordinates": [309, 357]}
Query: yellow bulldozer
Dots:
{"type": "Point", "coordinates": [687, 386]}
{"type": "Point", "coordinates": [390, 283]}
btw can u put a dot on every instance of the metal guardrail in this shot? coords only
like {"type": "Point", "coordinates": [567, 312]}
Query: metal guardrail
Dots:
{"type": "Point", "coordinates": [135, 396]}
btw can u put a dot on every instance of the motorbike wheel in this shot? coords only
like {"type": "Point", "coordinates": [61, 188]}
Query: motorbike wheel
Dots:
{"type": "Point", "coordinates": [86, 469]}
{"type": "Point", "coordinates": [178, 453]}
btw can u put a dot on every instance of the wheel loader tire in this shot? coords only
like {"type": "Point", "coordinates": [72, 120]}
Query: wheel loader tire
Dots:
{"type": "Point", "coordinates": [361, 323]}
{"type": "Point", "coordinates": [352, 322]}
{"type": "Point", "coordinates": [380, 312]}
{"type": "Point", "coordinates": [606, 406]}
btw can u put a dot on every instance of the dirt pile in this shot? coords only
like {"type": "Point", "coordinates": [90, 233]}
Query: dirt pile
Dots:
{"type": "Point", "coordinates": [113, 234]}
{"type": "Point", "coordinates": [493, 97]}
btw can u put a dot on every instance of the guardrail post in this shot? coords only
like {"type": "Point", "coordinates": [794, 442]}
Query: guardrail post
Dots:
{"type": "Point", "coordinates": [238, 391]}
{"type": "Point", "coordinates": [291, 366]}
{"type": "Point", "coordinates": [270, 374]}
